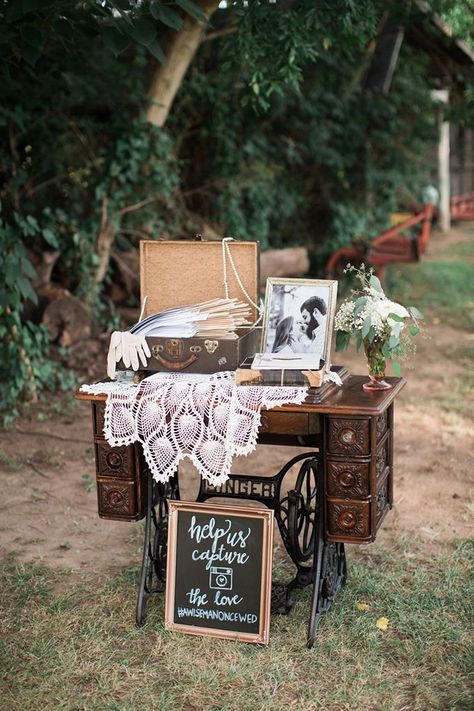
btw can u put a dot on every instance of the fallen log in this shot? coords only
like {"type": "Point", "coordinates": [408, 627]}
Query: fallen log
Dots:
{"type": "Point", "coordinates": [68, 321]}
{"type": "Point", "coordinates": [290, 262]}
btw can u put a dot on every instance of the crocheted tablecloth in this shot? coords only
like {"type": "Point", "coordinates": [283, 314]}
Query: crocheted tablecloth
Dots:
{"type": "Point", "coordinates": [207, 418]}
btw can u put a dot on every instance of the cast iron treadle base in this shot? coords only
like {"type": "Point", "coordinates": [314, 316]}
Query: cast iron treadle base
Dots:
{"type": "Point", "coordinates": [153, 571]}
{"type": "Point", "coordinates": [300, 518]}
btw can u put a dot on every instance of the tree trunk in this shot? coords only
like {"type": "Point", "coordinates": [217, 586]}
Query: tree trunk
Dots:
{"type": "Point", "coordinates": [179, 55]}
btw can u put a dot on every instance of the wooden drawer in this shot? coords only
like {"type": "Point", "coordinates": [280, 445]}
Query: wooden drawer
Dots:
{"type": "Point", "coordinates": [117, 499]}
{"type": "Point", "coordinates": [348, 436]}
{"type": "Point", "coordinates": [288, 423]}
{"type": "Point", "coordinates": [98, 418]}
{"type": "Point", "coordinates": [381, 425]}
{"type": "Point", "coordinates": [347, 480]}
{"type": "Point", "coordinates": [382, 460]}
{"type": "Point", "coordinates": [382, 500]}
{"type": "Point", "coordinates": [348, 520]}
{"type": "Point", "coordinates": [115, 461]}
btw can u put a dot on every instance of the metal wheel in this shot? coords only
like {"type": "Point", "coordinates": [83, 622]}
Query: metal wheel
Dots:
{"type": "Point", "coordinates": [302, 512]}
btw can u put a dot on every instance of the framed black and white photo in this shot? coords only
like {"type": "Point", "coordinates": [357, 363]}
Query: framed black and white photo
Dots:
{"type": "Point", "coordinates": [298, 323]}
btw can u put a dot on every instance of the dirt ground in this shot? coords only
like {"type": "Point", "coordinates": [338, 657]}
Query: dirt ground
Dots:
{"type": "Point", "coordinates": [49, 509]}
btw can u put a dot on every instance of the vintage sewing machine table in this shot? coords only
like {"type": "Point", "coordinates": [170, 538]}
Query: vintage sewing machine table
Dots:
{"type": "Point", "coordinates": [344, 488]}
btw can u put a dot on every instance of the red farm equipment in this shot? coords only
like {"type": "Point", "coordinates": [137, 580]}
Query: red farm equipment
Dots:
{"type": "Point", "coordinates": [390, 247]}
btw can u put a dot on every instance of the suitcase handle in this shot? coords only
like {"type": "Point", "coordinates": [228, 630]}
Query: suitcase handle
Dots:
{"type": "Point", "coordinates": [173, 365]}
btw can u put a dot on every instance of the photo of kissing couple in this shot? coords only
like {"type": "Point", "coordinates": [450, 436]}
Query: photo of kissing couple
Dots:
{"type": "Point", "coordinates": [299, 316]}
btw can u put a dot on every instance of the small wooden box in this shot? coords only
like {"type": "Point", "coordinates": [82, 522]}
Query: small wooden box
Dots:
{"type": "Point", "coordinates": [181, 273]}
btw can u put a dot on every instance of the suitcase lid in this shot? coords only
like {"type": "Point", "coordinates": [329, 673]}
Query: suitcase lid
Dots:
{"type": "Point", "coordinates": [177, 273]}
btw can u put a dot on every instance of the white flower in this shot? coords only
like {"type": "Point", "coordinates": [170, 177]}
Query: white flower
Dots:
{"type": "Point", "coordinates": [385, 307]}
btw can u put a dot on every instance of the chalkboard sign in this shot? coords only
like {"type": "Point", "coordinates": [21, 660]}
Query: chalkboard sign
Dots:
{"type": "Point", "coordinates": [219, 570]}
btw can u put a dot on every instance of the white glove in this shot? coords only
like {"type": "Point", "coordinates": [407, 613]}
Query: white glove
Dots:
{"type": "Point", "coordinates": [128, 347]}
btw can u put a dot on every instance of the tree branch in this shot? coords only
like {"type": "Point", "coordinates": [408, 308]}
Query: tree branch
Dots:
{"type": "Point", "coordinates": [219, 33]}
{"type": "Point", "coordinates": [137, 205]}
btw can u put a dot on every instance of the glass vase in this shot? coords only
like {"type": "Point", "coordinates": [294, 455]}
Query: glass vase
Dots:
{"type": "Point", "coordinates": [376, 366]}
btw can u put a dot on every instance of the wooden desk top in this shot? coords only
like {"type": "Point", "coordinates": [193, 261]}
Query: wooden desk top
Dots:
{"type": "Point", "coordinates": [349, 399]}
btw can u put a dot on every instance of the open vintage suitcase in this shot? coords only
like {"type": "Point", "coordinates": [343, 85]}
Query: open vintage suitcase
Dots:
{"type": "Point", "coordinates": [181, 273]}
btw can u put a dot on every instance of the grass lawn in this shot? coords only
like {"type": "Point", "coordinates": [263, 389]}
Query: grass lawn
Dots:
{"type": "Point", "coordinates": [68, 641]}
{"type": "Point", "coordinates": [79, 649]}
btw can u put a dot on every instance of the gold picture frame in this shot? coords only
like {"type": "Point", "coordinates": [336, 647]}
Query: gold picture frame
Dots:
{"type": "Point", "coordinates": [294, 311]}
{"type": "Point", "coordinates": [217, 583]}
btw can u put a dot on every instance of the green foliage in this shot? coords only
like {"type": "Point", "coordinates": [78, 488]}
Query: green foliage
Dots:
{"type": "Point", "coordinates": [30, 27]}
{"type": "Point", "coordinates": [272, 136]}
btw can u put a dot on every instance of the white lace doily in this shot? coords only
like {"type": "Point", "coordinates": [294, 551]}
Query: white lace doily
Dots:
{"type": "Point", "coordinates": [206, 418]}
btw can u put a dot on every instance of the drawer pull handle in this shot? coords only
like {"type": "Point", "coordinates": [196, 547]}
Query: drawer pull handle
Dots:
{"type": "Point", "coordinates": [347, 519]}
{"type": "Point", "coordinates": [114, 460]}
{"type": "Point", "coordinates": [347, 436]}
{"type": "Point", "coordinates": [346, 479]}
{"type": "Point", "coordinates": [115, 498]}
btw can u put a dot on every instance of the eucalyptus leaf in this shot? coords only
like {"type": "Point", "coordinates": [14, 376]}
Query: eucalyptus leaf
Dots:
{"type": "Point", "coordinates": [342, 340]}
{"type": "Point", "coordinates": [397, 329]}
{"type": "Point", "coordinates": [359, 340]}
{"type": "Point", "coordinates": [415, 313]}
{"type": "Point", "coordinates": [396, 368]}
{"type": "Point", "coordinates": [374, 282]}
{"type": "Point", "coordinates": [396, 317]}
{"type": "Point", "coordinates": [371, 335]}
{"type": "Point", "coordinates": [385, 349]}
{"type": "Point", "coordinates": [414, 330]}
{"type": "Point", "coordinates": [393, 341]}
{"type": "Point", "coordinates": [366, 326]}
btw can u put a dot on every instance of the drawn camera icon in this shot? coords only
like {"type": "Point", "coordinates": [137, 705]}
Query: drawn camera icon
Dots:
{"type": "Point", "coordinates": [220, 578]}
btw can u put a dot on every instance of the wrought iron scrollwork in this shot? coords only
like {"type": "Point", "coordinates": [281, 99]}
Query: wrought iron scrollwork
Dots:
{"type": "Point", "coordinates": [153, 573]}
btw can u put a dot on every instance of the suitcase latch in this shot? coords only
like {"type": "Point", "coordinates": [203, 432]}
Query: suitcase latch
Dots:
{"type": "Point", "coordinates": [211, 346]}
{"type": "Point", "coordinates": [174, 347]}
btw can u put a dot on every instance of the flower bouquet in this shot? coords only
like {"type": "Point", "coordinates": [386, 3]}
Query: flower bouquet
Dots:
{"type": "Point", "coordinates": [382, 326]}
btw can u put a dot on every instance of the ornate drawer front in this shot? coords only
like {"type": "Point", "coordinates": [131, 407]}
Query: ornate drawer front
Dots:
{"type": "Point", "coordinates": [382, 500]}
{"type": "Point", "coordinates": [381, 424]}
{"type": "Point", "coordinates": [115, 461]}
{"type": "Point", "coordinates": [289, 423]}
{"type": "Point", "coordinates": [382, 460]}
{"type": "Point", "coordinates": [117, 499]}
{"type": "Point", "coordinates": [99, 418]}
{"type": "Point", "coordinates": [348, 436]}
{"type": "Point", "coordinates": [348, 519]}
{"type": "Point", "coordinates": [347, 480]}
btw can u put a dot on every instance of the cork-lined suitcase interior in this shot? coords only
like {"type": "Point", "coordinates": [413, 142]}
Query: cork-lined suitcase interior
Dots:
{"type": "Point", "coordinates": [182, 273]}
{"type": "Point", "coordinates": [179, 273]}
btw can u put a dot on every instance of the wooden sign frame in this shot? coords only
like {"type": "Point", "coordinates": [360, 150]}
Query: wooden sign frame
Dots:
{"type": "Point", "coordinates": [232, 513]}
